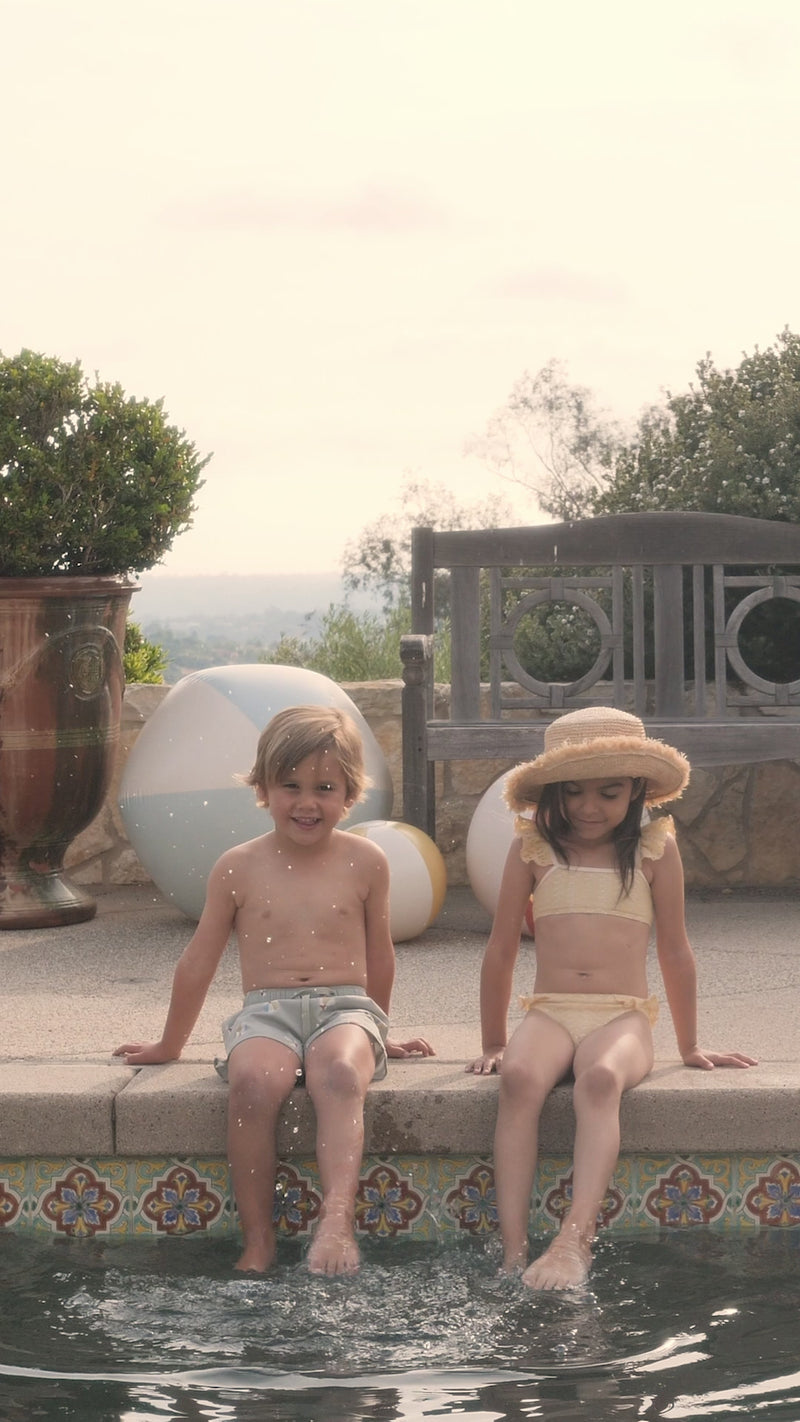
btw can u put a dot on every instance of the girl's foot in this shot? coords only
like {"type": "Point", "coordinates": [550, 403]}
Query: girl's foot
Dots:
{"type": "Point", "coordinates": [333, 1250]}
{"type": "Point", "coordinates": [565, 1264]}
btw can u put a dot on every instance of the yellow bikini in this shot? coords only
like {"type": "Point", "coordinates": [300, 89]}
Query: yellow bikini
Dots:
{"type": "Point", "coordinates": [576, 889]}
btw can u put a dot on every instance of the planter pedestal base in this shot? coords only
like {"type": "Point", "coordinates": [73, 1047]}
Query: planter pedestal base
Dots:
{"type": "Point", "coordinates": [32, 900]}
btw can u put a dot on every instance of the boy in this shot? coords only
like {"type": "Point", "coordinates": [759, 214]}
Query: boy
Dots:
{"type": "Point", "coordinates": [310, 907]}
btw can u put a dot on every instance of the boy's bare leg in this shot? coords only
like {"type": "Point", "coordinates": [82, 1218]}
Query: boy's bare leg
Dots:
{"type": "Point", "coordinates": [607, 1062]}
{"type": "Point", "coordinates": [340, 1065]}
{"type": "Point", "coordinates": [261, 1073]}
{"type": "Point", "coordinates": [537, 1056]}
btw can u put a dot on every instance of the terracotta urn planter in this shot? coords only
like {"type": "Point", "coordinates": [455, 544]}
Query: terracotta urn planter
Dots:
{"type": "Point", "coordinates": [61, 687]}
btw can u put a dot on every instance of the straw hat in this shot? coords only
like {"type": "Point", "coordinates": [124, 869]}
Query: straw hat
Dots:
{"type": "Point", "coordinates": [599, 742]}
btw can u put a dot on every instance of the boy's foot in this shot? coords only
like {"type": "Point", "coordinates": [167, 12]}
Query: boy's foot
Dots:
{"type": "Point", "coordinates": [333, 1250]}
{"type": "Point", "coordinates": [256, 1258]}
{"type": "Point", "coordinates": [565, 1264]}
{"type": "Point", "coordinates": [513, 1261]}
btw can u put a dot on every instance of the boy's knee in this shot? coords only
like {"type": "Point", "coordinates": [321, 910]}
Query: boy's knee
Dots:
{"type": "Point", "coordinates": [252, 1087]}
{"type": "Point", "coordinates": [339, 1076]}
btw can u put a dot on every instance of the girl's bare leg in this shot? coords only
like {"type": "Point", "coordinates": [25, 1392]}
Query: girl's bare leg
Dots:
{"type": "Point", "coordinates": [261, 1073]}
{"type": "Point", "coordinates": [340, 1065]}
{"type": "Point", "coordinates": [607, 1062]}
{"type": "Point", "coordinates": [538, 1055]}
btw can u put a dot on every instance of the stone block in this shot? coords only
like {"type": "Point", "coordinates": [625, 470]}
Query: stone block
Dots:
{"type": "Point", "coordinates": [51, 1109]}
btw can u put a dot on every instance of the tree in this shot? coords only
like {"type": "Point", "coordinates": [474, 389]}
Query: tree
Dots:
{"type": "Point", "coordinates": [730, 444]}
{"type": "Point", "coordinates": [379, 558]}
{"type": "Point", "coordinates": [552, 439]}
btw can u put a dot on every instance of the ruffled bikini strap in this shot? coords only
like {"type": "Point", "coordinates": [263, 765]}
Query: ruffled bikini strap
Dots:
{"type": "Point", "coordinates": [533, 847]}
{"type": "Point", "coordinates": [654, 836]}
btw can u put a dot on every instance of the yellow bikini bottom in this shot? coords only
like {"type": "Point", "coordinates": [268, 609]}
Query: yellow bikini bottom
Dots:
{"type": "Point", "coordinates": [583, 1012]}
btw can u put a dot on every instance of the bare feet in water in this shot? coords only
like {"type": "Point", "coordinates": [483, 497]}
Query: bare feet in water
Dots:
{"type": "Point", "coordinates": [565, 1264]}
{"type": "Point", "coordinates": [333, 1249]}
{"type": "Point", "coordinates": [256, 1258]}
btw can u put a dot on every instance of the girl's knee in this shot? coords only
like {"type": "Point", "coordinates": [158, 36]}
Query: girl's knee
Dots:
{"type": "Point", "coordinates": [597, 1085]}
{"type": "Point", "coordinates": [519, 1081]}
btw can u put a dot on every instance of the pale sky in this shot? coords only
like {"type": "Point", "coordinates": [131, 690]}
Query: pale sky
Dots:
{"type": "Point", "coordinates": [332, 234]}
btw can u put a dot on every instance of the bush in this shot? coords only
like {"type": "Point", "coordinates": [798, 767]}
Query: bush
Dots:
{"type": "Point", "coordinates": [91, 482]}
{"type": "Point", "coordinates": [357, 646]}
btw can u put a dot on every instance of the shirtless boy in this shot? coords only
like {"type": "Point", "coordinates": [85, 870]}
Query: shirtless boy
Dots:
{"type": "Point", "coordinates": [309, 904]}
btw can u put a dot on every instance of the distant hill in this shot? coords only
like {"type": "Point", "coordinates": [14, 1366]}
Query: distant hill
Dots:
{"type": "Point", "coordinates": [231, 617]}
{"type": "Point", "coordinates": [180, 598]}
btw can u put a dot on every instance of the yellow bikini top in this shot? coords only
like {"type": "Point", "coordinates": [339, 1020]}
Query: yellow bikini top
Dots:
{"type": "Point", "coordinates": [576, 889]}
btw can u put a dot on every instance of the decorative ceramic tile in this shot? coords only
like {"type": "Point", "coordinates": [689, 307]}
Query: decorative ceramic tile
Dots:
{"type": "Point", "coordinates": [685, 1195]}
{"type": "Point", "coordinates": [422, 1197]}
{"type": "Point", "coordinates": [472, 1203]}
{"type": "Point", "coordinates": [386, 1203]}
{"type": "Point", "coordinates": [774, 1199]}
{"type": "Point", "coordinates": [85, 1199]}
{"type": "Point", "coordinates": [13, 1193]}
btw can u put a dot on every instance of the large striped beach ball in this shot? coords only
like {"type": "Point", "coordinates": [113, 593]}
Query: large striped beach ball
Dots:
{"type": "Point", "coordinates": [179, 798]}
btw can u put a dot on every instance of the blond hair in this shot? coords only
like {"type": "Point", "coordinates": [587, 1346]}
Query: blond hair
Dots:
{"type": "Point", "coordinates": [300, 731]}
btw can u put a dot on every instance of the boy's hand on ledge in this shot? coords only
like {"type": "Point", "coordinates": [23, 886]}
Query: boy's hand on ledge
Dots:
{"type": "Point", "coordinates": [706, 1061]}
{"type": "Point", "coordinates": [417, 1047]}
{"type": "Point", "coordinates": [143, 1053]}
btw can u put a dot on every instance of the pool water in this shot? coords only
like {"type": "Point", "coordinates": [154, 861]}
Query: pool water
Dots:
{"type": "Point", "coordinates": [689, 1325]}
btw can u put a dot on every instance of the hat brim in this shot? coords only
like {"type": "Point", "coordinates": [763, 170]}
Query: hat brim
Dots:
{"type": "Point", "coordinates": [663, 768]}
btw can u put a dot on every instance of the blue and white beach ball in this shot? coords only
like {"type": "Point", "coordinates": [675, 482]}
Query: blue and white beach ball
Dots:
{"type": "Point", "coordinates": [180, 802]}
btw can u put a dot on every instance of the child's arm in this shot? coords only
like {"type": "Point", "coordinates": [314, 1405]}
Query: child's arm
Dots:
{"type": "Point", "coordinates": [497, 970]}
{"type": "Point", "coordinates": [193, 976]}
{"type": "Point", "coordinates": [381, 959]}
{"type": "Point", "coordinates": [677, 962]}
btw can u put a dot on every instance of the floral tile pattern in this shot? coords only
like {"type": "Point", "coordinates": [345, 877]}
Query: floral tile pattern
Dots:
{"type": "Point", "coordinates": [423, 1197]}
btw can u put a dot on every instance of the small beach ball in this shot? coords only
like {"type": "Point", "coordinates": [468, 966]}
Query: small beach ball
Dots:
{"type": "Point", "coordinates": [179, 798]}
{"type": "Point", "coordinates": [417, 875]}
{"type": "Point", "coordinates": [489, 838]}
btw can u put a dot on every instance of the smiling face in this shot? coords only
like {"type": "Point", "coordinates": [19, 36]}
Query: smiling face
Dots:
{"type": "Point", "coordinates": [595, 808]}
{"type": "Point", "coordinates": [308, 801]}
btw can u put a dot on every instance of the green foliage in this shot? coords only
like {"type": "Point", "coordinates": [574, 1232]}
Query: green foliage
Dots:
{"type": "Point", "coordinates": [90, 481]}
{"type": "Point", "coordinates": [142, 660]}
{"type": "Point", "coordinates": [730, 444]}
{"type": "Point", "coordinates": [357, 646]}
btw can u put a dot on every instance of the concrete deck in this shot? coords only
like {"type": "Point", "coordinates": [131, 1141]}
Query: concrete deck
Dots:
{"type": "Point", "coordinates": [72, 994]}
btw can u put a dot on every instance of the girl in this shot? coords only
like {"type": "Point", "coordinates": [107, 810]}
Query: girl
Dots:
{"type": "Point", "coordinates": [599, 878]}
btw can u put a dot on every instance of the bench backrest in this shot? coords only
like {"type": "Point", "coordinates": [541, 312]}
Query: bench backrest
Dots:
{"type": "Point", "coordinates": [668, 592]}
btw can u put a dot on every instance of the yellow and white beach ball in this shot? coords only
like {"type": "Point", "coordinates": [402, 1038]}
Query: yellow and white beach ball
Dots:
{"type": "Point", "coordinates": [417, 875]}
{"type": "Point", "coordinates": [179, 797]}
{"type": "Point", "coordinates": [489, 838]}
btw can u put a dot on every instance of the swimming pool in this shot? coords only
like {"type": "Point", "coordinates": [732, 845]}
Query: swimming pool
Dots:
{"type": "Point", "coordinates": [694, 1324]}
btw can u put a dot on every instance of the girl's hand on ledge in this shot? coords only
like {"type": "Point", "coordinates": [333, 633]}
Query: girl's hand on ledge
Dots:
{"type": "Point", "coordinates": [486, 1063]}
{"type": "Point", "coordinates": [706, 1061]}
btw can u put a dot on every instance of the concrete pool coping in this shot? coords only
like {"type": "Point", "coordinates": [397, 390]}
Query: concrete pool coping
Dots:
{"type": "Point", "coordinates": [73, 993]}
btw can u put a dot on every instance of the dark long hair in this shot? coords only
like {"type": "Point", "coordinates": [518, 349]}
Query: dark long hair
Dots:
{"type": "Point", "coordinates": [554, 825]}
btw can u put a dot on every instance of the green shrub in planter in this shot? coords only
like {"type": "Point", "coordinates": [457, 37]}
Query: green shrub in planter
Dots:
{"type": "Point", "coordinates": [91, 481]}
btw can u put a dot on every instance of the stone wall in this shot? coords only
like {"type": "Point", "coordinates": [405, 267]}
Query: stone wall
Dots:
{"type": "Point", "coordinates": [737, 825]}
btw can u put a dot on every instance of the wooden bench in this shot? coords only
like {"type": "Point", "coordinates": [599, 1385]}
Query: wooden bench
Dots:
{"type": "Point", "coordinates": [668, 592]}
